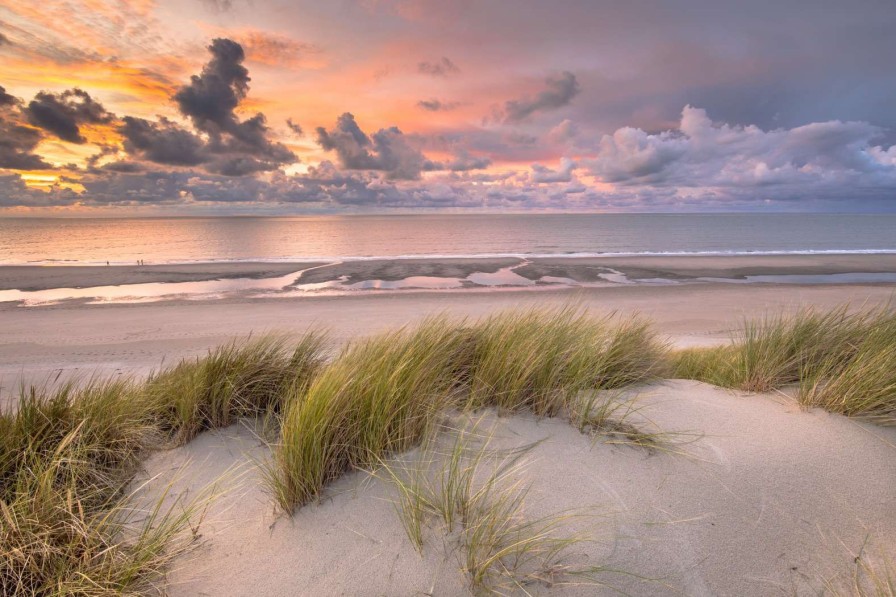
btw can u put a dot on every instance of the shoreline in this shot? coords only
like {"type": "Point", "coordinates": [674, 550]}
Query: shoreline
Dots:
{"type": "Point", "coordinates": [338, 275]}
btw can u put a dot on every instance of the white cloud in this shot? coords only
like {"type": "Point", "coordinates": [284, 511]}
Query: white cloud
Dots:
{"type": "Point", "coordinates": [827, 158]}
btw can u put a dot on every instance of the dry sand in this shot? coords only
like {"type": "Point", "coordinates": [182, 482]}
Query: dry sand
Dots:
{"type": "Point", "coordinates": [38, 344]}
{"type": "Point", "coordinates": [768, 500]}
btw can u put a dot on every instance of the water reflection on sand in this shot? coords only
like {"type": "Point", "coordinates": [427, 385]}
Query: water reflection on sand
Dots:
{"type": "Point", "coordinates": [290, 285]}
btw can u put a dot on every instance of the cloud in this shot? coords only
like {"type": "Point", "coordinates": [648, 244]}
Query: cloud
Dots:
{"type": "Point", "coordinates": [218, 5]}
{"type": "Point", "coordinates": [17, 139]}
{"type": "Point", "coordinates": [224, 144]}
{"type": "Point", "coordinates": [386, 150]}
{"type": "Point", "coordinates": [559, 92]}
{"type": "Point", "coordinates": [464, 161]}
{"type": "Point", "coordinates": [211, 97]}
{"type": "Point", "coordinates": [14, 192]}
{"type": "Point", "coordinates": [828, 159]}
{"type": "Point", "coordinates": [295, 128]}
{"type": "Point", "coordinates": [4, 41]}
{"type": "Point", "coordinates": [163, 142]}
{"type": "Point", "coordinates": [6, 99]}
{"type": "Point", "coordinates": [564, 132]}
{"type": "Point", "coordinates": [440, 68]}
{"type": "Point", "coordinates": [62, 114]}
{"type": "Point", "coordinates": [543, 174]}
{"type": "Point", "coordinates": [436, 105]}
{"type": "Point", "coordinates": [273, 49]}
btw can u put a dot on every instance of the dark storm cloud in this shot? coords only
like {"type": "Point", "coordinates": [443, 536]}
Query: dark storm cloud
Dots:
{"type": "Point", "coordinates": [295, 127]}
{"type": "Point", "coordinates": [211, 97]}
{"type": "Point", "coordinates": [17, 139]}
{"type": "Point", "coordinates": [436, 105]}
{"type": "Point", "coordinates": [559, 92]}
{"type": "Point", "coordinates": [62, 114]}
{"type": "Point", "coordinates": [439, 68]}
{"type": "Point", "coordinates": [230, 146]}
{"type": "Point", "coordinates": [163, 142]}
{"type": "Point", "coordinates": [387, 150]}
{"type": "Point", "coordinates": [5, 98]}
{"type": "Point", "coordinates": [210, 100]}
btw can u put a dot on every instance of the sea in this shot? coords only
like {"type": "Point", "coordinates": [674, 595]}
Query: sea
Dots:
{"type": "Point", "coordinates": [87, 241]}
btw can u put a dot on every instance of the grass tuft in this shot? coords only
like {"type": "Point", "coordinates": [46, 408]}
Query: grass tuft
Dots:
{"type": "Point", "coordinates": [478, 494]}
{"type": "Point", "coordinates": [539, 360]}
{"type": "Point", "coordinates": [68, 455]}
{"type": "Point", "coordinates": [844, 362]}
{"type": "Point", "coordinates": [66, 525]}
{"type": "Point", "coordinates": [379, 396]}
{"type": "Point", "coordinates": [382, 394]}
{"type": "Point", "coordinates": [231, 382]}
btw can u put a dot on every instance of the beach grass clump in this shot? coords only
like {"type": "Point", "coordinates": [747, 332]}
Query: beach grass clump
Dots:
{"type": "Point", "coordinates": [105, 422]}
{"type": "Point", "coordinates": [379, 396]}
{"type": "Point", "coordinates": [773, 352]}
{"type": "Point", "coordinates": [66, 458]}
{"type": "Point", "coordinates": [231, 382]}
{"type": "Point", "coordinates": [843, 361]}
{"type": "Point", "coordinates": [62, 536]}
{"type": "Point", "coordinates": [68, 524]}
{"type": "Point", "coordinates": [859, 381]}
{"type": "Point", "coordinates": [477, 496]}
{"type": "Point", "coordinates": [539, 360]}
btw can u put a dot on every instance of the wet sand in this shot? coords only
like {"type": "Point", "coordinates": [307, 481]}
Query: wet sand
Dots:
{"type": "Point", "coordinates": [579, 269]}
{"type": "Point", "coordinates": [37, 277]}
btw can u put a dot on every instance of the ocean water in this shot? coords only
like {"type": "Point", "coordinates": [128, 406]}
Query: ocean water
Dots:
{"type": "Point", "coordinates": [45, 241]}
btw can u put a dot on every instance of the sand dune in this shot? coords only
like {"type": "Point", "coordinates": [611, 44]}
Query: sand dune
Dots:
{"type": "Point", "coordinates": [766, 500]}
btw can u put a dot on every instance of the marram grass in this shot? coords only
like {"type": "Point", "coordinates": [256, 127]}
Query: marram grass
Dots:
{"type": "Point", "coordinates": [474, 496]}
{"type": "Point", "coordinates": [381, 394]}
{"type": "Point", "coordinates": [844, 362]}
{"type": "Point", "coordinates": [378, 396]}
{"type": "Point", "coordinates": [68, 455]}
{"type": "Point", "coordinates": [231, 382]}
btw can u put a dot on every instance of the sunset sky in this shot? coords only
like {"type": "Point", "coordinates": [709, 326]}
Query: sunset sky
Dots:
{"type": "Point", "coordinates": [267, 106]}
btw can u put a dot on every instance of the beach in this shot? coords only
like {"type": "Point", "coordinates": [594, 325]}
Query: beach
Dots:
{"type": "Point", "coordinates": [745, 493]}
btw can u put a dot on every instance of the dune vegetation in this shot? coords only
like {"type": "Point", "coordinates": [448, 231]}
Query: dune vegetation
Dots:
{"type": "Point", "coordinates": [68, 455]}
{"type": "Point", "coordinates": [840, 360]}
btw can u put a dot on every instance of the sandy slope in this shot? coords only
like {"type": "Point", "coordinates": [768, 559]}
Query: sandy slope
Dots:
{"type": "Point", "coordinates": [768, 500]}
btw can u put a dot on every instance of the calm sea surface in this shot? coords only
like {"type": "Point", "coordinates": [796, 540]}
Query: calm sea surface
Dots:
{"type": "Point", "coordinates": [173, 240]}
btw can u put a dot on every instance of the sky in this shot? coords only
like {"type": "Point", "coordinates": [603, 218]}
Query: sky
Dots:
{"type": "Point", "coordinates": [275, 106]}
